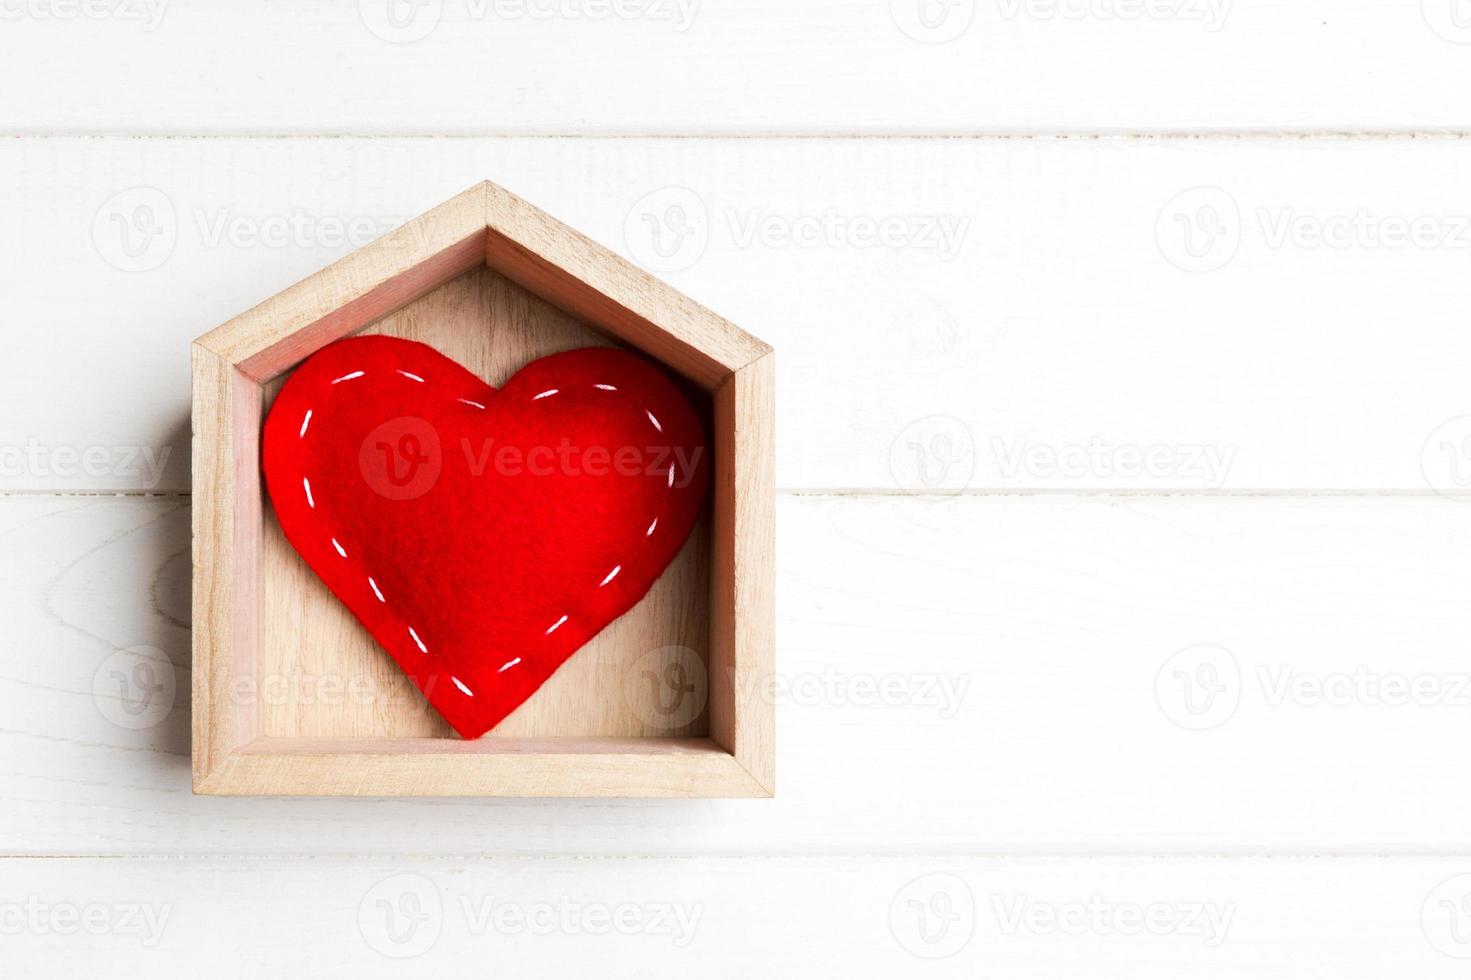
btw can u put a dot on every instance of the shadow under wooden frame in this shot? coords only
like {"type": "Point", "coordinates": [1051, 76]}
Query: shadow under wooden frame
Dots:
{"type": "Point", "coordinates": [497, 281]}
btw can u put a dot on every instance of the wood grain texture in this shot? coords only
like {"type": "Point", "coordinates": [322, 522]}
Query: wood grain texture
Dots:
{"type": "Point", "coordinates": [493, 327]}
{"type": "Point", "coordinates": [224, 530]}
{"type": "Point", "coordinates": [1056, 326]}
{"type": "Point", "coordinates": [552, 260]}
{"type": "Point", "coordinates": [365, 286]}
{"type": "Point", "coordinates": [743, 577]}
{"type": "Point", "coordinates": [640, 767]}
{"type": "Point", "coordinates": [750, 67]}
{"type": "Point", "coordinates": [1032, 643]}
{"type": "Point", "coordinates": [1005, 917]}
{"type": "Point", "coordinates": [455, 277]}
{"type": "Point", "coordinates": [975, 674]}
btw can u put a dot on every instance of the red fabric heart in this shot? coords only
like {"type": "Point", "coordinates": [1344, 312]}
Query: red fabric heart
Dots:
{"type": "Point", "coordinates": [483, 536]}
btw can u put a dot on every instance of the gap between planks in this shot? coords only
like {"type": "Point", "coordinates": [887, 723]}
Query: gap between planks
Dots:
{"type": "Point", "coordinates": [1164, 135]}
{"type": "Point", "coordinates": [1043, 857]}
{"type": "Point", "coordinates": [1283, 493]}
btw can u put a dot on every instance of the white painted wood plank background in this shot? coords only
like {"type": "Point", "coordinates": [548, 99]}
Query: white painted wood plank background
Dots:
{"type": "Point", "coordinates": [710, 67]}
{"type": "Point", "coordinates": [978, 674]}
{"type": "Point", "coordinates": [1193, 636]}
{"type": "Point", "coordinates": [1063, 332]}
{"type": "Point", "coordinates": [839, 917]}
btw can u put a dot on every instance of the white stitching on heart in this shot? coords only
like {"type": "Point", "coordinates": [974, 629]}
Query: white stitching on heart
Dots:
{"type": "Point", "coordinates": [372, 583]}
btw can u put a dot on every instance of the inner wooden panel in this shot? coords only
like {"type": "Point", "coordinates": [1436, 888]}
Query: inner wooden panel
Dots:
{"type": "Point", "coordinates": [319, 673]}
